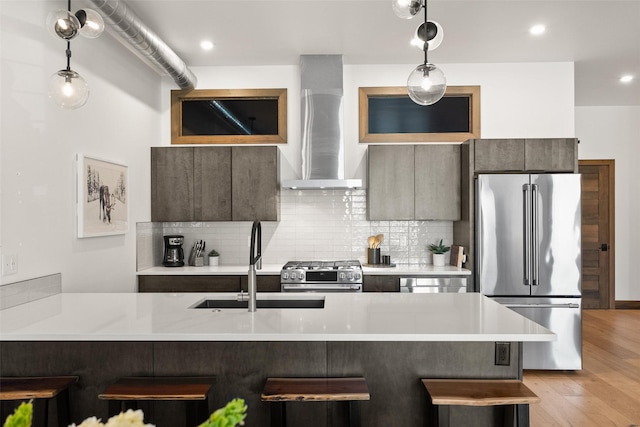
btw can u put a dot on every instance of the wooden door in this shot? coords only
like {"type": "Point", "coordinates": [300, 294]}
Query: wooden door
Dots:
{"type": "Point", "coordinates": [597, 233]}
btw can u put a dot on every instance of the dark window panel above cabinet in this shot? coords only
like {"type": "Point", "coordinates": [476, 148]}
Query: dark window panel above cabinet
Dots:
{"type": "Point", "coordinates": [174, 283]}
{"type": "Point", "coordinates": [212, 182]}
{"type": "Point", "coordinates": [255, 184]}
{"type": "Point", "coordinates": [172, 197]}
{"type": "Point", "coordinates": [390, 190]}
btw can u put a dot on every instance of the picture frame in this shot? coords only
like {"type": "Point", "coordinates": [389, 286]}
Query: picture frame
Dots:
{"type": "Point", "coordinates": [102, 197]}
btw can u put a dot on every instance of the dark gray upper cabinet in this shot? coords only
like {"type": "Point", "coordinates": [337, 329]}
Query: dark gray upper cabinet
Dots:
{"type": "Point", "coordinates": [254, 183]}
{"type": "Point", "coordinates": [407, 182]}
{"type": "Point", "coordinates": [172, 187]}
{"type": "Point", "coordinates": [390, 188]}
{"type": "Point", "coordinates": [214, 184]}
{"type": "Point", "coordinates": [551, 155]}
{"type": "Point", "coordinates": [437, 181]}
{"type": "Point", "coordinates": [518, 155]}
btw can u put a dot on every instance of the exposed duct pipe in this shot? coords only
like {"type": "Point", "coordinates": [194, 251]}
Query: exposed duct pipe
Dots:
{"type": "Point", "coordinates": [134, 34]}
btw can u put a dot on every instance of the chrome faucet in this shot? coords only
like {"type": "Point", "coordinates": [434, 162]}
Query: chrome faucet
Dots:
{"type": "Point", "coordinates": [255, 263]}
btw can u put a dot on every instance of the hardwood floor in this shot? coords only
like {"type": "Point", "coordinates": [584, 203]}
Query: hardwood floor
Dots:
{"type": "Point", "coordinates": [607, 390]}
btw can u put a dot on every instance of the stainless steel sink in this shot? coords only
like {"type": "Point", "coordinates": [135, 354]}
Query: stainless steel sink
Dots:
{"type": "Point", "coordinates": [262, 303]}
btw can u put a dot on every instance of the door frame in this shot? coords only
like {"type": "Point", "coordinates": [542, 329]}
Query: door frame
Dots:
{"type": "Point", "coordinates": [610, 163]}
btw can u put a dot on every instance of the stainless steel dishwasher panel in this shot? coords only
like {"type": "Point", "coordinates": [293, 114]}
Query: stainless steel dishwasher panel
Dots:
{"type": "Point", "coordinates": [433, 285]}
{"type": "Point", "coordinates": [563, 316]}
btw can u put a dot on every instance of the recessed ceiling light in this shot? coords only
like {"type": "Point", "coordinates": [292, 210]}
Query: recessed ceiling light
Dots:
{"type": "Point", "coordinates": [626, 78]}
{"type": "Point", "coordinates": [206, 45]}
{"type": "Point", "coordinates": [537, 30]}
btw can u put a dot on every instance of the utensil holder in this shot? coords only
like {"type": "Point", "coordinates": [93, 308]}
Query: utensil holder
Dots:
{"type": "Point", "coordinates": [373, 256]}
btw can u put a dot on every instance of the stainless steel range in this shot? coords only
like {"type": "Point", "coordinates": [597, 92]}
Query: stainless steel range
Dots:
{"type": "Point", "coordinates": [321, 276]}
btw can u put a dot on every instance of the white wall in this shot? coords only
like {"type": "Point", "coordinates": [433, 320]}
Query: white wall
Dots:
{"type": "Point", "coordinates": [515, 101]}
{"type": "Point", "coordinates": [40, 142]}
{"type": "Point", "coordinates": [129, 111]}
{"type": "Point", "coordinates": [614, 133]}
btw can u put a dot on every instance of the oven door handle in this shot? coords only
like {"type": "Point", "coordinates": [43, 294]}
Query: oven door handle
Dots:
{"type": "Point", "coordinates": [320, 288]}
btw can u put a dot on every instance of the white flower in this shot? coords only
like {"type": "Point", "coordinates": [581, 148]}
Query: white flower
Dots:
{"type": "Point", "coordinates": [89, 422]}
{"type": "Point", "coordinates": [130, 418]}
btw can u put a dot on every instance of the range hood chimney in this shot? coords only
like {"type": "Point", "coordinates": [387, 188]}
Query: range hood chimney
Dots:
{"type": "Point", "coordinates": [321, 96]}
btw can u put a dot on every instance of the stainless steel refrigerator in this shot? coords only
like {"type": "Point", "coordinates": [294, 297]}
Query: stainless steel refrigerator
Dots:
{"type": "Point", "coordinates": [528, 237]}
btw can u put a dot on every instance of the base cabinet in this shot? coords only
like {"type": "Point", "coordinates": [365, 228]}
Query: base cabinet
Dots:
{"type": "Point", "coordinates": [205, 283]}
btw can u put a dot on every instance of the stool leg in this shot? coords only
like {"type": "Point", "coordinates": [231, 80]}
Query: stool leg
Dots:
{"type": "Point", "coordinates": [354, 413]}
{"type": "Point", "coordinates": [522, 415]}
{"type": "Point", "coordinates": [62, 401]}
{"type": "Point", "coordinates": [197, 412]}
{"type": "Point", "coordinates": [278, 414]}
{"type": "Point", "coordinates": [442, 415]}
{"type": "Point", "coordinates": [41, 412]}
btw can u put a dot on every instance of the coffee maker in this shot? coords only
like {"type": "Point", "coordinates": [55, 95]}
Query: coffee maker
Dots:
{"type": "Point", "coordinates": [173, 253]}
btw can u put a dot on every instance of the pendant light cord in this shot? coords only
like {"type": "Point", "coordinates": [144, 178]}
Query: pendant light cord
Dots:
{"type": "Point", "coordinates": [68, 51]}
{"type": "Point", "coordinates": [426, 33]}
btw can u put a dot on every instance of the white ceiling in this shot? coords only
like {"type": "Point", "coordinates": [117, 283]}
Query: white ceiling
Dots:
{"type": "Point", "coordinates": [602, 37]}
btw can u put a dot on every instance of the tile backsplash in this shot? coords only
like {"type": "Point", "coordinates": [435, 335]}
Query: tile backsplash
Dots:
{"type": "Point", "coordinates": [314, 225]}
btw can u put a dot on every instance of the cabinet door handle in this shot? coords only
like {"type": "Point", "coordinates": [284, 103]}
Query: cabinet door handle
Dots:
{"type": "Point", "coordinates": [604, 247]}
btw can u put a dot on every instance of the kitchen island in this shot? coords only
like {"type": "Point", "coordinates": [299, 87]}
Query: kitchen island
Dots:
{"type": "Point", "coordinates": [391, 339]}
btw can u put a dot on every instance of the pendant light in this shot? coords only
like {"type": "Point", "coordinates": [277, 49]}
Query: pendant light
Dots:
{"type": "Point", "coordinates": [426, 84]}
{"type": "Point", "coordinates": [66, 87]}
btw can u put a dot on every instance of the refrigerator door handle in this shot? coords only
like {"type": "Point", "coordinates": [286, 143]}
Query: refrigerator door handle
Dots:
{"type": "Point", "coordinates": [526, 213]}
{"type": "Point", "coordinates": [570, 305]}
{"type": "Point", "coordinates": [535, 245]}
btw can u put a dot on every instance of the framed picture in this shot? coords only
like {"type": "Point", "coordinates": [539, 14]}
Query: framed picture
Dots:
{"type": "Point", "coordinates": [103, 197]}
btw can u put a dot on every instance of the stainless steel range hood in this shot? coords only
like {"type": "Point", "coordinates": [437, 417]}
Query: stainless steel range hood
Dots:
{"type": "Point", "coordinates": [321, 96]}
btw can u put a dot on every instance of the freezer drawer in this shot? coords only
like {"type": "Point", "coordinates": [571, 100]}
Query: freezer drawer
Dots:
{"type": "Point", "coordinates": [433, 285]}
{"type": "Point", "coordinates": [563, 316]}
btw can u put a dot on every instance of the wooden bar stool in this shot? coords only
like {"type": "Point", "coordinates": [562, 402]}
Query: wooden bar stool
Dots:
{"type": "Point", "coordinates": [40, 389]}
{"type": "Point", "coordinates": [126, 392]}
{"type": "Point", "coordinates": [445, 393]}
{"type": "Point", "coordinates": [277, 391]}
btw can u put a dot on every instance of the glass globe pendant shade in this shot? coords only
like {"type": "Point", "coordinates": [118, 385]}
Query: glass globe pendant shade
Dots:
{"type": "Point", "coordinates": [426, 84]}
{"type": "Point", "coordinates": [434, 34]}
{"type": "Point", "coordinates": [63, 24]}
{"type": "Point", "coordinates": [91, 23]}
{"type": "Point", "coordinates": [406, 9]}
{"type": "Point", "coordinates": [68, 89]}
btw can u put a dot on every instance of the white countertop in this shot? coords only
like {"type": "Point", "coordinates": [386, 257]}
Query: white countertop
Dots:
{"type": "Point", "coordinates": [274, 269]}
{"type": "Point", "coordinates": [345, 317]}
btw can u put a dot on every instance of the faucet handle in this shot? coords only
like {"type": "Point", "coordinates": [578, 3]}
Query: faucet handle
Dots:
{"type": "Point", "coordinates": [259, 264]}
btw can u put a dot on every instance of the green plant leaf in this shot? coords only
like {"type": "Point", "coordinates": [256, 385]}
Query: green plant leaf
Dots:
{"type": "Point", "coordinates": [233, 414]}
{"type": "Point", "coordinates": [21, 417]}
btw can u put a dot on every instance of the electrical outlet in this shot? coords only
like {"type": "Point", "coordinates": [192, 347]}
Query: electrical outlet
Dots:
{"type": "Point", "coordinates": [9, 264]}
{"type": "Point", "coordinates": [503, 353]}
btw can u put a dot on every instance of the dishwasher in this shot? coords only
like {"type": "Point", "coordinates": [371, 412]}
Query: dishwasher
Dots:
{"type": "Point", "coordinates": [433, 285]}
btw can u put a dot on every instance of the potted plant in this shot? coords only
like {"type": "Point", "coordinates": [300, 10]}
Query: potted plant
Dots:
{"type": "Point", "coordinates": [438, 252]}
{"type": "Point", "coordinates": [214, 256]}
